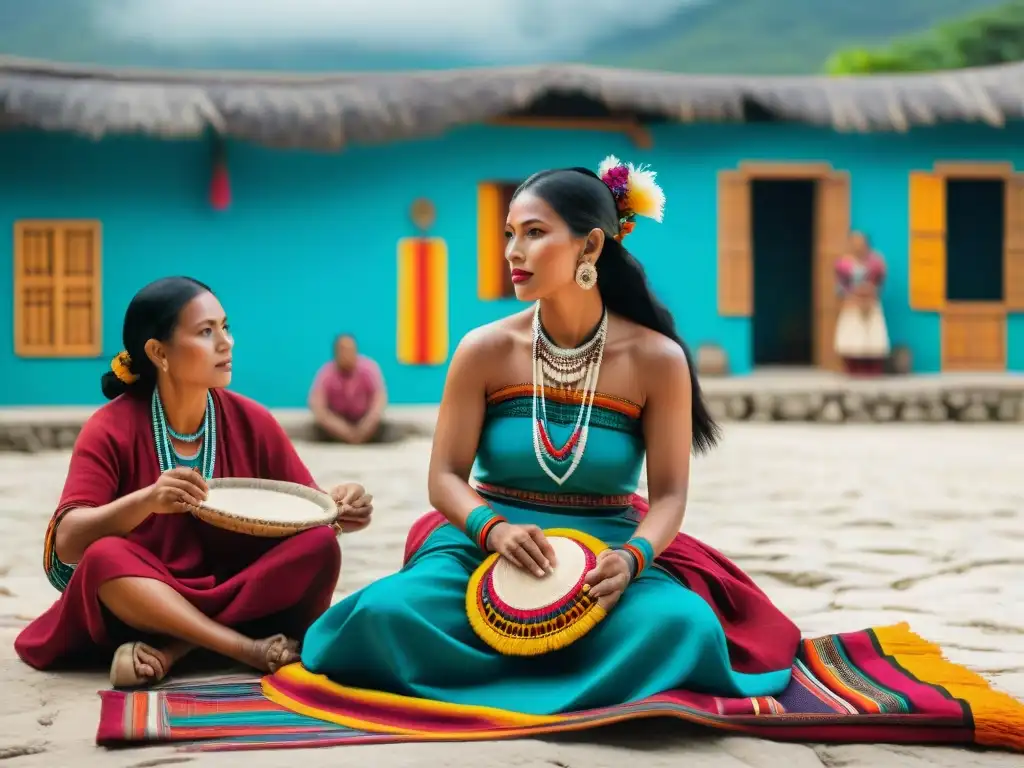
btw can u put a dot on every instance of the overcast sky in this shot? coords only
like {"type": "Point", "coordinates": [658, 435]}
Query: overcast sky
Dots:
{"type": "Point", "coordinates": [469, 27]}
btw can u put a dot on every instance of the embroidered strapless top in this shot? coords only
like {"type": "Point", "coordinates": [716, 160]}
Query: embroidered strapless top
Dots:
{"type": "Point", "coordinates": [611, 463]}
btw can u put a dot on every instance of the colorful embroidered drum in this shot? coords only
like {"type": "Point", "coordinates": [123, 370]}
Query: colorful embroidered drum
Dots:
{"type": "Point", "coordinates": [519, 614]}
{"type": "Point", "coordinates": [268, 508]}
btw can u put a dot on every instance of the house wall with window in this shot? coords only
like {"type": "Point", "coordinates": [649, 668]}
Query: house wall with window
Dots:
{"type": "Point", "coordinates": [315, 244]}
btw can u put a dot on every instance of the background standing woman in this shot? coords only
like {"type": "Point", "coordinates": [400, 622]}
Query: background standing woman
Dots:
{"type": "Point", "coordinates": [862, 339]}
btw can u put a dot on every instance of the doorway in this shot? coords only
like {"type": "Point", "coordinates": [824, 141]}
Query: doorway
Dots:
{"type": "Point", "coordinates": [975, 231]}
{"type": "Point", "coordinates": [783, 235]}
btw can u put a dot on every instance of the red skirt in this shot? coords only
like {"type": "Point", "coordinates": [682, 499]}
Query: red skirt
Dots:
{"type": "Point", "coordinates": [284, 589]}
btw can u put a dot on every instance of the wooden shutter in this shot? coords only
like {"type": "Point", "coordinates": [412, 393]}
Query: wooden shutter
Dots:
{"type": "Point", "coordinates": [57, 289]}
{"type": "Point", "coordinates": [974, 336]}
{"type": "Point", "coordinates": [1013, 245]}
{"type": "Point", "coordinates": [832, 233]}
{"type": "Point", "coordinates": [735, 246]}
{"type": "Point", "coordinates": [927, 247]}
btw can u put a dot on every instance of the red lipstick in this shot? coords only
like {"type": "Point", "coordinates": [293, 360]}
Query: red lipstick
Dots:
{"type": "Point", "coordinates": [521, 275]}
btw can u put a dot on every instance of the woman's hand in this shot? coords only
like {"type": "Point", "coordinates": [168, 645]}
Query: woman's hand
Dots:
{"type": "Point", "coordinates": [355, 507]}
{"type": "Point", "coordinates": [609, 578]}
{"type": "Point", "coordinates": [177, 490]}
{"type": "Point", "coordinates": [525, 546]}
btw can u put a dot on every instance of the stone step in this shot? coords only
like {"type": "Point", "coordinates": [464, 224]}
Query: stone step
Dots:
{"type": "Point", "coordinates": [32, 429]}
{"type": "Point", "coordinates": [878, 406]}
{"type": "Point", "coordinates": [768, 397]}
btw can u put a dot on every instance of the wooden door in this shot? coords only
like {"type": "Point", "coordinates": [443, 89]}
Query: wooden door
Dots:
{"type": "Point", "coordinates": [832, 231]}
{"type": "Point", "coordinates": [735, 246]}
{"type": "Point", "coordinates": [1013, 245]}
{"type": "Point", "coordinates": [973, 336]}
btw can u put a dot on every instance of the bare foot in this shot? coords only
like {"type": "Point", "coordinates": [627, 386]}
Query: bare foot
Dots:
{"type": "Point", "coordinates": [137, 664]}
{"type": "Point", "coordinates": [272, 653]}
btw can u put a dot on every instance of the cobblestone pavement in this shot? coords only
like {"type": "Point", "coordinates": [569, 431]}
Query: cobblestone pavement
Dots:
{"type": "Point", "coordinates": [844, 527]}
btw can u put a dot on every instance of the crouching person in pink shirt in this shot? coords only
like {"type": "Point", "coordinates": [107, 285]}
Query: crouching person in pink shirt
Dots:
{"type": "Point", "coordinates": [348, 396]}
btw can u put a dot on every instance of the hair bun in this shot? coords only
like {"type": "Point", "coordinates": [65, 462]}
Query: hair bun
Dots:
{"type": "Point", "coordinates": [112, 386]}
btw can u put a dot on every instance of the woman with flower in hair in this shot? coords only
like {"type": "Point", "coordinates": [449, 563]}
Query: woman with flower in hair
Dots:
{"type": "Point", "coordinates": [140, 578]}
{"type": "Point", "coordinates": [545, 422]}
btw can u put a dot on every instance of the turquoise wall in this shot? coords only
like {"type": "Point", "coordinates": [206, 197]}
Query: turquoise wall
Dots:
{"type": "Point", "coordinates": [308, 247]}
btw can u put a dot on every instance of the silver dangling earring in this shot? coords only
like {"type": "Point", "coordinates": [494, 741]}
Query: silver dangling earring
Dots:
{"type": "Point", "coordinates": [586, 275]}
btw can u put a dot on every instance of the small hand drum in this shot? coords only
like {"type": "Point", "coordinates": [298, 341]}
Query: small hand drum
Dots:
{"type": "Point", "coordinates": [268, 508]}
{"type": "Point", "coordinates": [519, 614]}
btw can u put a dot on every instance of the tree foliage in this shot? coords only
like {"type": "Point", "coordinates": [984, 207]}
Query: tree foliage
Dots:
{"type": "Point", "coordinates": [983, 39]}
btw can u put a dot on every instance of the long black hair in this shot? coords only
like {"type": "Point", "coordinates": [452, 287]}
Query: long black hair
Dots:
{"type": "Point", "coordinates": [152, 314]}
{"type": "Point", "coordinates": [586, 203]}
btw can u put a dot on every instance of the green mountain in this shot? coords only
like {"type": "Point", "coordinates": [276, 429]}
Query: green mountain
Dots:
{"type": "Point", "coordinates": [719, 36]}
{"type": "Point", "coordinates": [782, 36]}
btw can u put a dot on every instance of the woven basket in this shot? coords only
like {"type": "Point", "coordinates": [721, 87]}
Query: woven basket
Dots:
{"type": "Point", "coordinates": [322, 509]}
{"type": "Point", "coordinates": [519, 614]}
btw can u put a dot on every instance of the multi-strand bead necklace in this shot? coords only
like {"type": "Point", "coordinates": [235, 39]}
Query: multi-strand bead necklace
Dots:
{"type": "Point", "coordinates": [576, 369]}
{"type": "Point", "coordinates": [169, 457]}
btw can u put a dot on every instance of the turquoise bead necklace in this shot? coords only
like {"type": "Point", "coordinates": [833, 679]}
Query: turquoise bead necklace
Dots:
{"type": "Point", "coordinates": [169, 457]}
{"type": "Point", "coordinates": [191, 438]}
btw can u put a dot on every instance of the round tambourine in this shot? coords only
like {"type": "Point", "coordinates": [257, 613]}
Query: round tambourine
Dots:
{"type": "Point", "coordinates": [268, 508]}
{"type": "Point", "coordinates": [519, 614]}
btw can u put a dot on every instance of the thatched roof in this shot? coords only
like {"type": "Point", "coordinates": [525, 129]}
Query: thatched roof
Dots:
{"type": "Point", "coordinates": [330, 111]}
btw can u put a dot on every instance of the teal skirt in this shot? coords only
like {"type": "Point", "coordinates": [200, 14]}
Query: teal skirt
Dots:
{"type": "Point", "coordinates": [408, 634]}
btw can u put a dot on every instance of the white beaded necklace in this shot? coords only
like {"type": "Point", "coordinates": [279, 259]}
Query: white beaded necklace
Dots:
{"type": "Point", "coordinates": [573, 359]}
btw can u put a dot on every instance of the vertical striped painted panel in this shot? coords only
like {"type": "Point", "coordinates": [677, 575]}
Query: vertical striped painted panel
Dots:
{"type": "Point", "coordinates": [422, 301]}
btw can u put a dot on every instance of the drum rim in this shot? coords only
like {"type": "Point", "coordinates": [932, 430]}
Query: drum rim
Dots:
{"type": "Point", "coordinates": [318, 497]}
{"type": "Point", "coordinates": [509, 645]}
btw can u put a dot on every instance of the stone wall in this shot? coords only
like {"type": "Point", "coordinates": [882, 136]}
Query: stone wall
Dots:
{"type": "Point", "coordinates": [730, 399]}
{"type": "Point", "coordinates": [954, 404]}
{"type": "Point", "coordinates": [31, 438]}
{"type": "Point", "coordinates": [32, 430]}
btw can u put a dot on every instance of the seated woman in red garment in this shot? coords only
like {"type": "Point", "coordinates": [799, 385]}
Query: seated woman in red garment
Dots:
{"type": "Point", "coordinates": [137, 572]}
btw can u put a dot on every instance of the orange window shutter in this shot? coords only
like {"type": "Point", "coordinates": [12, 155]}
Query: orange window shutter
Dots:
{"type": "Point", "coordinates": [57, 289]}
{"type": "Point", "coordinates": [422, 301]}
{"type": "Point", "coordinates": [490, 219]}
{"type": "Point", "coordinates": [79, 301]}
{"type": "Point", "coordinates": [35, 290]}
{"type": "Point", "coordinates": [735, 246]}
{"type": "Point", "coordinates": [1013, 245]}
{"type": "Point", "coordinates": [927, 245]}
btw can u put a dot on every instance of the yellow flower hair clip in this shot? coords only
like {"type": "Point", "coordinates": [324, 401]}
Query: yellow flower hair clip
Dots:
{"type": "Point", "coordinates": [121, 365]}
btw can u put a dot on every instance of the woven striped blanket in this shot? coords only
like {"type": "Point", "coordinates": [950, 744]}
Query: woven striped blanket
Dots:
{"type": "Point", "coordinates": [877, 685]}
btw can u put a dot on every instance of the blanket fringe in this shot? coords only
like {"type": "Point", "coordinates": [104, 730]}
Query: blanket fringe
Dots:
{"type": "Point", "coordinates": [998, 717]}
